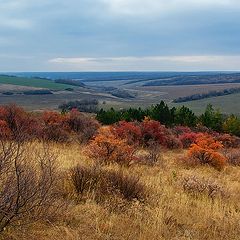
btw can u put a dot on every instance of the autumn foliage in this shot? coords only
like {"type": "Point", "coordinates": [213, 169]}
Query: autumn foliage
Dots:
{"type": "Point", "coordinates": [206, 150]}
{"type": "Point", "coordinates": [107, 148]}
{"type": "Point", "coordinates": [129, 131]}
{"type": "Point", "coordinates": [17, 124]}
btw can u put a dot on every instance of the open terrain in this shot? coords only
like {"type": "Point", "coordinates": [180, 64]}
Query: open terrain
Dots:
{"type": "Point", "coordinates": [119, 90]}
{"type": "Point", "coordinates": [68, 177]}
{"type": "Point", "coordinates": [169, 212]}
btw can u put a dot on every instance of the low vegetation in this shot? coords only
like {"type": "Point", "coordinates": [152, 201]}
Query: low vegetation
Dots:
{"type": "Point", "coordinates": [66, 176]}
{"type": "Point", "coordinates": [85, 105]}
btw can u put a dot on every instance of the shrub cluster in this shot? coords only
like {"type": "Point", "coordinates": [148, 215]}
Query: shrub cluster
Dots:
{"type": "Point", "coordinates": [17, 124]}
{"type": "Point", "coordinates": [197, 186]}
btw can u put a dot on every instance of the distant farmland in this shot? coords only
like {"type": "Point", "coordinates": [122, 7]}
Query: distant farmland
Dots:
{"type": "Point", "coordinates": [32, 82]}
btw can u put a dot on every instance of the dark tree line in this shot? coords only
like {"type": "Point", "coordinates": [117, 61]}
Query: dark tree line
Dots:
{"type": "Point", "coordinates": [160, 112]}
{"type": "Point", "coordinates": [85, 105]}
{"type": "Point", "coordinates": [207, 95]}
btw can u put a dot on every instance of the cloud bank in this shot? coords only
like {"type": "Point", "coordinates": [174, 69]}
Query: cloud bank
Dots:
{"type": "Point", "coordinates": [192, 34]}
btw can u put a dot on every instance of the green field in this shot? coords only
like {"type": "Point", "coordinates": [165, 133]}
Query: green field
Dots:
{"type": "Point", "coordinates": [33, 82]}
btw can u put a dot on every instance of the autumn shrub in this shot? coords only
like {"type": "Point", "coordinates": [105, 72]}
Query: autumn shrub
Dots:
{"type": "Point", "coordinates": [55, 127]}
{"type": "Point", "coordinates": [107, 148]}
{"type": "Point", "coordinates": [129, 131]}
{"type": "Point", "coordinates": [188, 138]}
{"type": "Point", "coordinates": [206, 151]}
{"type": "Point", "coordinates": [179, 130]}
{"type": "Point", "coordinates": [21, 125]}
{"type": "Point", "coordinates": [83, 126]}
{"type": "Point", "coordinates": [173, 142]}
{"type": "Point", "coordinates": [197, 186]}
{"type": "Point", "coordinates": [228, 140]}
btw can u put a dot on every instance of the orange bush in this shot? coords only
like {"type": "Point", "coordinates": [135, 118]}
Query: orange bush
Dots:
{"type": "Point", "coordinates": [205, 150]}
{"type": "Point", "coordinates": [106, 147]}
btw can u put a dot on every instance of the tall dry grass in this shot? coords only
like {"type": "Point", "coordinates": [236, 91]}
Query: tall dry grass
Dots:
{"type": "Point", "coordinates": [169, 212]}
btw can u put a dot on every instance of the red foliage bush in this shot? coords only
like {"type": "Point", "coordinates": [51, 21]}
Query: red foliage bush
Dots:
{"type": "Point", "coordinates": [228, 140]}
{"type": "Point", "coordinates": [206, 151]}
{"type": "Point", "coordinates": [172, 142]}
{"type": "Point", "coordinates": [82, 125]}
{"type": "Point", "coordinates": [55, 127]}
{"type": "Point", "coordinates": [153, 131]}
{"type": "Point", "coordinates": [188, 138]}
{"type": "Point", "coordinates": [130, 131]}
{"type": "Point", "coordinates": [179, 130]}
{"type": "Point", "coordinates": [22, 125]}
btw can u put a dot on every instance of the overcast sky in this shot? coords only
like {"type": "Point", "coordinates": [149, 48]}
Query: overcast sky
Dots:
{"type": "Point", "coordinates": [119, 35]}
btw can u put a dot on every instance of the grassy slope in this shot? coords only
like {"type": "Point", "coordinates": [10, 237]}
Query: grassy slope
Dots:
{"type": "Point", "coordinates": [33, 82]}
{"type": "Point", "coordinates": [227, 104]}
{"type": "Point", "coordinates": [170, 213]}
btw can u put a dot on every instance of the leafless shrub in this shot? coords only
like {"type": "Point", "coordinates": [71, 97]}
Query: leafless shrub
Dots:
{"type": "Point", "coordinates": [199, 186]}
{"type": "Point", "coordinates": [27, 184]}
{"type": "Point", "coordinates": [233, 157]}
{"type": "Point", "coordinates": [102, 183]}
{"type": "Point", "coordinates": [128, 186]}
{"type": "Point", "coordinates": [154, 153]}
{"type": "Point", "coordinates": [85, 179]}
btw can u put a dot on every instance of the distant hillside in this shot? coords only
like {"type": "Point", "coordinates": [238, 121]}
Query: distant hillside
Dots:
{"type": "Point", "coordinates": [210, 94]}
{"type": "Point", "coordinates": [70, 82]}
{"type": "Point", "coordinates": [196, 80]}
{"type": "Point", "coordinates": [32, 82]}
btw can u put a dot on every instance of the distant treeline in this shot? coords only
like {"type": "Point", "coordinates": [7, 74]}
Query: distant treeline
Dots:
{"type": "Point", "coordinates": [70, 82]}
{"type": "Point", "coordinates": [30, 92]}
{"type": "Point", "coordinates": [116, 92]}
{"type": "Point", "coordinates": [85, 105]}
{"type": "Point", "coordinates": [37, 92]}
{"type": "Point", "coordinates": [211, 118]}
{"type": "Point", "coordinates": [207, 95]}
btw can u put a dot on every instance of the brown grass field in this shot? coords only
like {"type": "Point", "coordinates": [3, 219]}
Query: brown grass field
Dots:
{"type": "Point", "coordinates": [169, 212]}
{"type": "Point", "coordinates": [145, 97]}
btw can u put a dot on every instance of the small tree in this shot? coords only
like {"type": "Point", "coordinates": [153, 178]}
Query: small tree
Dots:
{"type": "Point", "coordinates": [232, 125]}
{"type": "Point", "coordinates": [212, 118]}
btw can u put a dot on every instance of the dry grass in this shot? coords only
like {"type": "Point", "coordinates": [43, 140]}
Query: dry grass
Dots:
{"type": "Point", "coordinates": [169, 212]}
